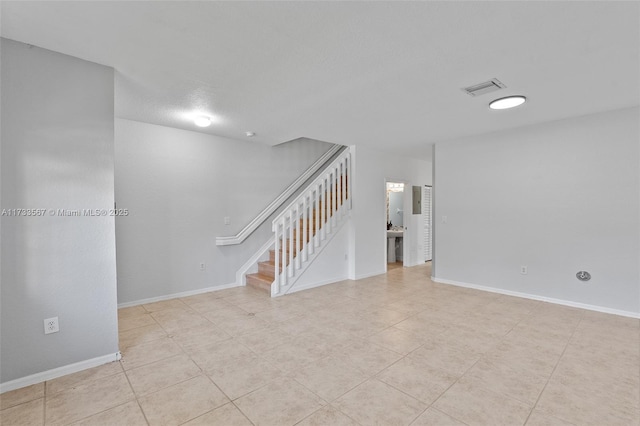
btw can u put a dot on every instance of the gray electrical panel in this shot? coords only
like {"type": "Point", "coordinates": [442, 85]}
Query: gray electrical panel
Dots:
{"type": "Point", "coordinates": [417, 199]}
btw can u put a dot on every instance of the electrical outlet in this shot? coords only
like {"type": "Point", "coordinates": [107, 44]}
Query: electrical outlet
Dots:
{"type": "Point", "coordinates": [51, 325]}
{"type": "Point", "coordinates": [203, 266]}
{"type": "Point", "coordinates": [227, 220]}
{"type": "Point", "coordinates": [523, 270]}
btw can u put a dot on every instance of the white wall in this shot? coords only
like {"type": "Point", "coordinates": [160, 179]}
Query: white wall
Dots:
{"type": "Point", "coordinates": [558, 197]}
{"type": "Point", "coordinates": [178, 186]}
{"type": "Point", "coordinates": [368, 234]}
{"type": "Point", "coordinates": [57, 153]}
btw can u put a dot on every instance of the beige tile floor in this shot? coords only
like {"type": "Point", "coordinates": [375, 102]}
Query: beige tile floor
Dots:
{"type": "Point", "coordinates": [395, 349]}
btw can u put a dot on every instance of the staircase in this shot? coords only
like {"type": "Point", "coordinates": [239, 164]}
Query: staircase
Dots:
{"type": "Point", "coordinates": [304, 228]}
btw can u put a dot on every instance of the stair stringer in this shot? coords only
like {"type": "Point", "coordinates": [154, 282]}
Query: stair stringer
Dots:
{"type": "Point", "coordinates": [290, 287]}
{"type": "Point", "coordinates": [251, 265]}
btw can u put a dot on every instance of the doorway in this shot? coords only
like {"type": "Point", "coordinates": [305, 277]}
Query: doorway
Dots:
{"type": "Point", "coordinates": [395, 241]}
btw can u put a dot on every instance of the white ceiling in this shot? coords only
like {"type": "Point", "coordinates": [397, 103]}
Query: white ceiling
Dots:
{"type": "Point", "coordinates": [382, 74]}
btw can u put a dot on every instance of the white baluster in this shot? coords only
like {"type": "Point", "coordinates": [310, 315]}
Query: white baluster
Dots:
{"type": "Point", "coordinates": [305, 231]}
{"type": "Point", "coordinates": [316, 214]}
{"type": "Point", "coordinates": [276, 282]}
{"type": "Point", "coordinates": [327, 222]}
{"type": "Point", "coordinates": [323, 205]}
{"type": "Point", "coordinates": [334, 195]}
{"type": "Point", "coordinates": [342, 183]}
{"type": "Point", "coordinates": [339, 185]}
{"type": "Point", "coordinates": [291, 264]}
{"type": "Point", "coordinates": [298, 240]}
{"type": "Point", "coordinates": [283, 249]}
{"type": "Point", "coordinates": [349, 181]}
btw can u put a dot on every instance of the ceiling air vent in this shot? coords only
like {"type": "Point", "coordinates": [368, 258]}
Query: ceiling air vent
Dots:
{"type": "Point", "coordinates": [482, 88]}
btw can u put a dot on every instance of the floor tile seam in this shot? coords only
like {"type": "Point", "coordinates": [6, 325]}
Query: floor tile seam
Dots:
{"type": "Point", "coordinates": [106, 409]}
{"type": "Point", "coordinates": [242, 412]}
{"type": "Point", "coordinates": [453, 417]}
{"type": "Point", "coordinates": [368, 339]}
{"type": "Point", "coordinates": [165, 309]}
{"type": "Point", "coordinates": [140, 326]}
{"type": "Point", "coordinates": [27, 401]}
{"type": "Point", "coordinates": [260, 354]}
{"type": "Point", "coordinates": [170, 334]}
{"type": "Point", "coordinates": [81, 382]}
{"type": "Point", "coordinates": [375, 377]}
{"type": "Point", "coordinates": [125, 348]}
{"type": "Point", "coordinates": [189, 312]}
{"type": "Point", "coordinates": [428, 404]}
{"type": "Point", "coordinates": [110, 408]}
{"type": "Point", "coordinates": [183, 381]}
{"type": "Point", "coordinates": [453, 384]}
{"type": "Point", "coordinates": [217, 387]}
{"type": "Point", "coordinates": [214, 409]}
{"type": "Point", "coordinates": [183, 348]}
{"type": "Point", "coordinates": [162, 360]}
{"type": "Point", "coordinates": [328, 402]}
{"type": "Point", "coordinates": [201, 313]}
{"type": "Point", "coordinates": [145, 395]}
{"type": "Point", "coordinates": [225, 394]}
{"type": "Point", "coordinates": [488, 389]}
{"type": "Point", "coordinates": [330, 405]}
{"type": "Point", "coordinates": [566, 345]}
{"type": "Point", "coordinates": [202, 374]}
{"type": "Point", "coordinates": [508, 396]}
{"type": "Point", "coordinates": [438, 409]}
{"type": "Point", "coordinates": [44, 406]}
{"type": "Point", "coordinates": [498, 341]}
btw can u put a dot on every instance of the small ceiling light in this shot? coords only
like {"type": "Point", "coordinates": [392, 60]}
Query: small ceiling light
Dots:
{"type": "Point", "coordinates": [250, 134]}
{"type": "Point", "coordinates": [202, 121]}
{"type": "Point", "coordinates": [508, 102]}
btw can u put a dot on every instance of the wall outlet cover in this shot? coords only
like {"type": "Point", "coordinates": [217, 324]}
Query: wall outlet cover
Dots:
{"type": "Point", "coordinates": [51, 325]}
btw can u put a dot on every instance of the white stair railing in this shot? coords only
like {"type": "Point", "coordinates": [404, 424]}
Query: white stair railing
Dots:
{"type": "Point", "coordinates": [308, 220]}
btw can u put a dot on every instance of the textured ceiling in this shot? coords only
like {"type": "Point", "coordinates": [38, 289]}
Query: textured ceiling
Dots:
{"type": "Point", "coordinates": [382, 74]}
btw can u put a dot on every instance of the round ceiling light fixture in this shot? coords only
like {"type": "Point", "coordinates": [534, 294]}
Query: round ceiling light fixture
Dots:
{"type": "Point", "coordinates": [507, 102]}
{"type": "Point", "coordinates": [202, 121]}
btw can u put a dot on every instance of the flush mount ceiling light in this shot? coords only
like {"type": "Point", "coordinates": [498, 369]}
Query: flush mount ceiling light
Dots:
{"type": "Point", "coordinates": [202, 121]}
{"type": "Point", "coordinates": [508, 102]}
{"type": "Point", "coordinates": [250, 134]}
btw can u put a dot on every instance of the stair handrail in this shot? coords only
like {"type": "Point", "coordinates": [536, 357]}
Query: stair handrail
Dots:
{"type": "Point", "coordinates": [275, 204]}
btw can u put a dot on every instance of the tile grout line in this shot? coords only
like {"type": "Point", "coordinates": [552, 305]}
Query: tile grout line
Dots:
{"type": "Point", "coordinates": [471, 367]}
{"type": "Point", "coordinates": [135, 395]}
{"type": "Point", "coordinates": [555, 367]}
{"type": "Point", "coordinates": [44, 403]}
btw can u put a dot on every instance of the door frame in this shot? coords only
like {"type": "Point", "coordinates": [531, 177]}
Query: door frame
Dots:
{"type": "Point", "coordinates": [406, 224]}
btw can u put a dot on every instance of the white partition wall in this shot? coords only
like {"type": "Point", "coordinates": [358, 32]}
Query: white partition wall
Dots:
{"type": "Point", "coordinates": [57, 156]}
{"type": "Point", "coordinates": [557, 197]}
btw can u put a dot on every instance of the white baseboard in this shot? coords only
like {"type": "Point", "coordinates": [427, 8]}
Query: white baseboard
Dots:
{"type": "Point", "coordinates": [540, 298]}
{"type": "Point", "coordinates": [176, 295]}
{"type": "Point", "coordinates": [58, 372]}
